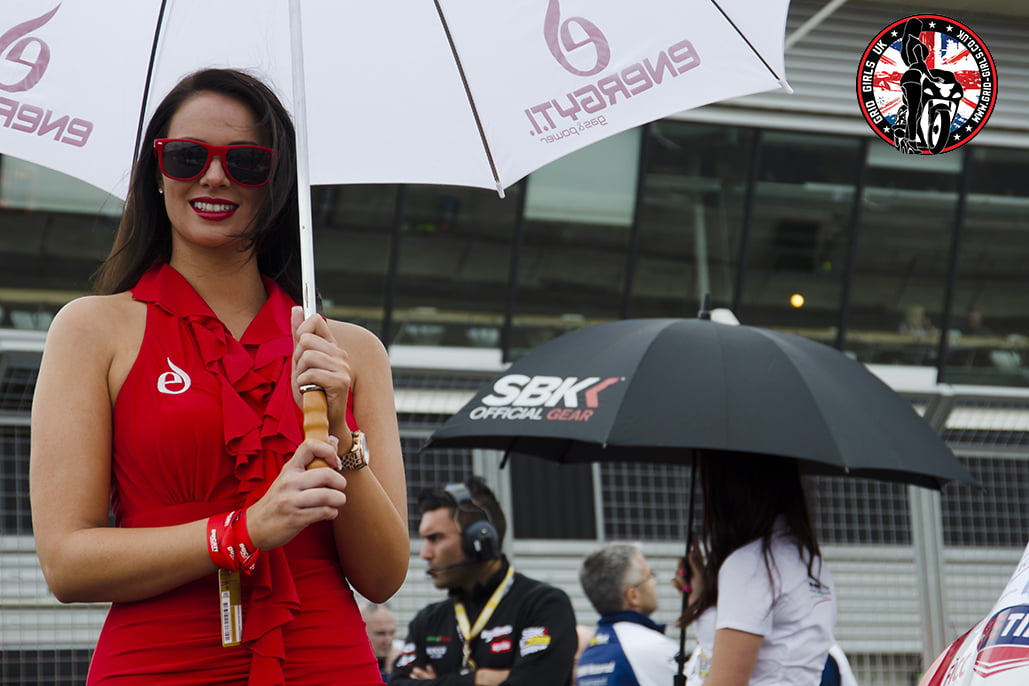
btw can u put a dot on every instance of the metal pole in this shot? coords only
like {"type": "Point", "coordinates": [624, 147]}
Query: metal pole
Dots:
{"type": "Point", "coordinates": [943, 345]}
{"type": "Point", "coordinates": [598, 501]}
{"type": "Point", "coordinates": [811, 24]}
{"type": "Point", "coordinates": [681, 657]}
{"type": "Point", "coordinates": [514, 266]}
{"type": "Point", "coordinates": [303, 169]}
{"type": "Point", "coordinates": [400, 209]}
{"type": "Point", "coordinates": [927, 540]}
{"type": "Point", "coordinates": [747, 220]}
{"type": "Point", "coordinates": [632, 256]}
{"type": "Point", "coordinates": [856, 208]}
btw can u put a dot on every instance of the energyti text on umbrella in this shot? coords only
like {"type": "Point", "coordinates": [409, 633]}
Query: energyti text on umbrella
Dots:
{"type": "Point", "coordinates": [628, 82]}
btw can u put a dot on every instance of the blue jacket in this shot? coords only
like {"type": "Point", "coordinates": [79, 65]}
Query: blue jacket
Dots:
{"type": "Point", "coordinates": [628, 649]}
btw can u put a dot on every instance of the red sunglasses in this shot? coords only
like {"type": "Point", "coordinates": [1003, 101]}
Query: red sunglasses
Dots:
{"type": "Point", "coordinates": [185, 160]}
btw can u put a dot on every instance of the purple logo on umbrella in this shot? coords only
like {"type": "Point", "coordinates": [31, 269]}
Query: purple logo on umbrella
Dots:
{"type": "Point", "coordinates": [581, 48]}
{"type": "Point", "coordinates": [559, 39]}
{"type": "Point", "coordinates": [33, 56]}
{"type": "Point", "coordinates": [17, 46]}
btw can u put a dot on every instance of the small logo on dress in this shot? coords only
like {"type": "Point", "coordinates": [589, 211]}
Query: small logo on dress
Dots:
{"type": "Point", "coordinates": [174, 382]}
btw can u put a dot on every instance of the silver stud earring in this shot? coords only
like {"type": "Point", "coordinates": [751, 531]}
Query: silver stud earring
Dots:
{"type": "Point", "coordinates": [160, 189]}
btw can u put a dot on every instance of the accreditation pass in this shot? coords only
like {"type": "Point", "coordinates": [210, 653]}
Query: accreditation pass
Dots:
{"type": "Point", "coordinates": [231, 607]}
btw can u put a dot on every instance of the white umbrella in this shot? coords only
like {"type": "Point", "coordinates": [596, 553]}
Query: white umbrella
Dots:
{"type": "Point", "coordinates": [386, 100]}
{"type": "Point", "coordinates": [456, 92]}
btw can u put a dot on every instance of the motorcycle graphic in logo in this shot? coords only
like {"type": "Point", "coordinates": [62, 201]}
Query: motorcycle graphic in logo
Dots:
{"type": "Point", "coordinates": [926, 84]}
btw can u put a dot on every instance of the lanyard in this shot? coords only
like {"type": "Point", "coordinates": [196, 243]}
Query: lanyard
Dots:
{"type": "Point", "coordinates": [469, 633]}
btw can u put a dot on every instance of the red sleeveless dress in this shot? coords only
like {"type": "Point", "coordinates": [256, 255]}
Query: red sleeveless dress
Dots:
{"type": "Point", "coordinates": [202, 425]}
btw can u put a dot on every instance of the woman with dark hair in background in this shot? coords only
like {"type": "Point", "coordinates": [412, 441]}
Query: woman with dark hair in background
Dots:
{"type": "Point", "coordinates": [172, 398]}
{"type": "Point", "coordinates": [760, 595]}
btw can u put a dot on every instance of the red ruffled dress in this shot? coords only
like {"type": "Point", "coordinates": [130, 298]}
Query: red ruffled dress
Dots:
{"type": "Point", "coordinates": [202, 425]}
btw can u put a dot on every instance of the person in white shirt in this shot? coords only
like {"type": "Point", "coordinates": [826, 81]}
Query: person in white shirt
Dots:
{"type": "Point", "coordinates": [761, 598]}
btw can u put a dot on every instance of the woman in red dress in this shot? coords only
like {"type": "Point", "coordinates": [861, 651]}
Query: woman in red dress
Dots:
{"type": "Point", "coordinates": [172, 399]}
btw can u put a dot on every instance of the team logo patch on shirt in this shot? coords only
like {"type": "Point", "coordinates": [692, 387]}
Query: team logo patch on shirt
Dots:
{"type": "Point", "coordinates": [406, 656]}
{"type": "Point", "coordinates": [820, 593]}
{"type": "Point", "coordinates": [498, 647]}
{"type": "Point", "coordinates": [436, 652]}
{"type": "Point", "coordinates": [535, 639]}
{"type": "Point", "coordinates": [490, 635]}
{"type": "Point", "coordinates": [595, 669]}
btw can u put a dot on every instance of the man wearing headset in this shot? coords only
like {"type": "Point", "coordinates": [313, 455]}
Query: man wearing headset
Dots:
{"type": "Point", "coordinates": [497, 625]}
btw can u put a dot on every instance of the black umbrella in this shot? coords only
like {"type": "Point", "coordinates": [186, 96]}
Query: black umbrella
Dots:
{"type": "Point", "coordinates": [660, 390]}
{"type": "Point", "coordinates": [653, 389]}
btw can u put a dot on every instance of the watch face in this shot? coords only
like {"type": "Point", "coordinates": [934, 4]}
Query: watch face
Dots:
{"type": "Point", "coordinates": [361, 445]}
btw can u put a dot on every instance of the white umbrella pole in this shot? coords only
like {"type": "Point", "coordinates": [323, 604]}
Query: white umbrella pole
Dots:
{"type": "Point", "coordinates": [303, 173]}
{"type": "Point", "coordinates": [316, 418]}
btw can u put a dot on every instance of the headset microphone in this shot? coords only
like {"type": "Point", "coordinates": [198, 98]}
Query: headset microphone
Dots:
{"type": "Point", "coordinates": [479, 539]}
{"type": "Point", "coordinates": [452, 565]}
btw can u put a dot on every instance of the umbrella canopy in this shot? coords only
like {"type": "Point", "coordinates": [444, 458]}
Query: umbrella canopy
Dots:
{"type": "Point", "coordinates": [655, 389]}
{"type": "Point", "coordinates": [408, 91]}
{"type": "Point", "coordinates": [452, 92]}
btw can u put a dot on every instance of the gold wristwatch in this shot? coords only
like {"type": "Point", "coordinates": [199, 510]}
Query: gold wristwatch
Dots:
{"type": "Point", "coordinates": [357, 457]}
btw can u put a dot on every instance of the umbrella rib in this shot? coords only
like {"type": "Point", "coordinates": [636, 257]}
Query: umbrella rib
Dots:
{"type": "Point", "coordinates": [823, 417]}
{"type": "Point", "coordinates": [747, 41]}
{"type": "Point", "coordinates": [471, 100]}
{"type": "Point", "coordinates": [146, 85]}
{"type": "Point", "coordinates": [818, 408]}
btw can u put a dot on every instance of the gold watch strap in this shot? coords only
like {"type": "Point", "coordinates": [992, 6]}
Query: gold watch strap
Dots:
{"type": "Point", "coordinates": [355, 459]}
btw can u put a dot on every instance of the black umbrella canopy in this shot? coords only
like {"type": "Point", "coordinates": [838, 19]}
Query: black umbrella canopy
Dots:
{"type": "Point", "coordinates": [652, 390]}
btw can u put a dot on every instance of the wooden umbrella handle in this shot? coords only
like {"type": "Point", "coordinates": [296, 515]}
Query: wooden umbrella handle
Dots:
{"type": "Point", "coordinates": [316, 419]}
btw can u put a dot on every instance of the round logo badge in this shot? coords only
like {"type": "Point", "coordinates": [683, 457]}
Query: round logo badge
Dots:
{"type": "Point", "coordinates": [926, 84]}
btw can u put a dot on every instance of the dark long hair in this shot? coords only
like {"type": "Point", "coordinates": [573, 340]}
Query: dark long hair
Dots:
{"type": "Point", "coordinates": [144, 234]}
{"type": "Point", "coordinates": [744, 494]}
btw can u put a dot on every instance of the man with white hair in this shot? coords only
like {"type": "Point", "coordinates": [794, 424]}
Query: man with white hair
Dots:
{"type": "Point", "coordinates": [381, 625]}
{"type": "Point", "coordinates": [629, 648]}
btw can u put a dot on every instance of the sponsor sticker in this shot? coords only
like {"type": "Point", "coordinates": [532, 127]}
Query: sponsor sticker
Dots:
{"type": "Point", "coordinates": [490, 635]}
{"type": "Point", "coordinates": [407, 655]}
{"type": "Point", "coordinates": [1004, 643]}
{"type": "Point", "coordinates": [498, 647]}
{"type": "Point", "coordinates": [534, 639]}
